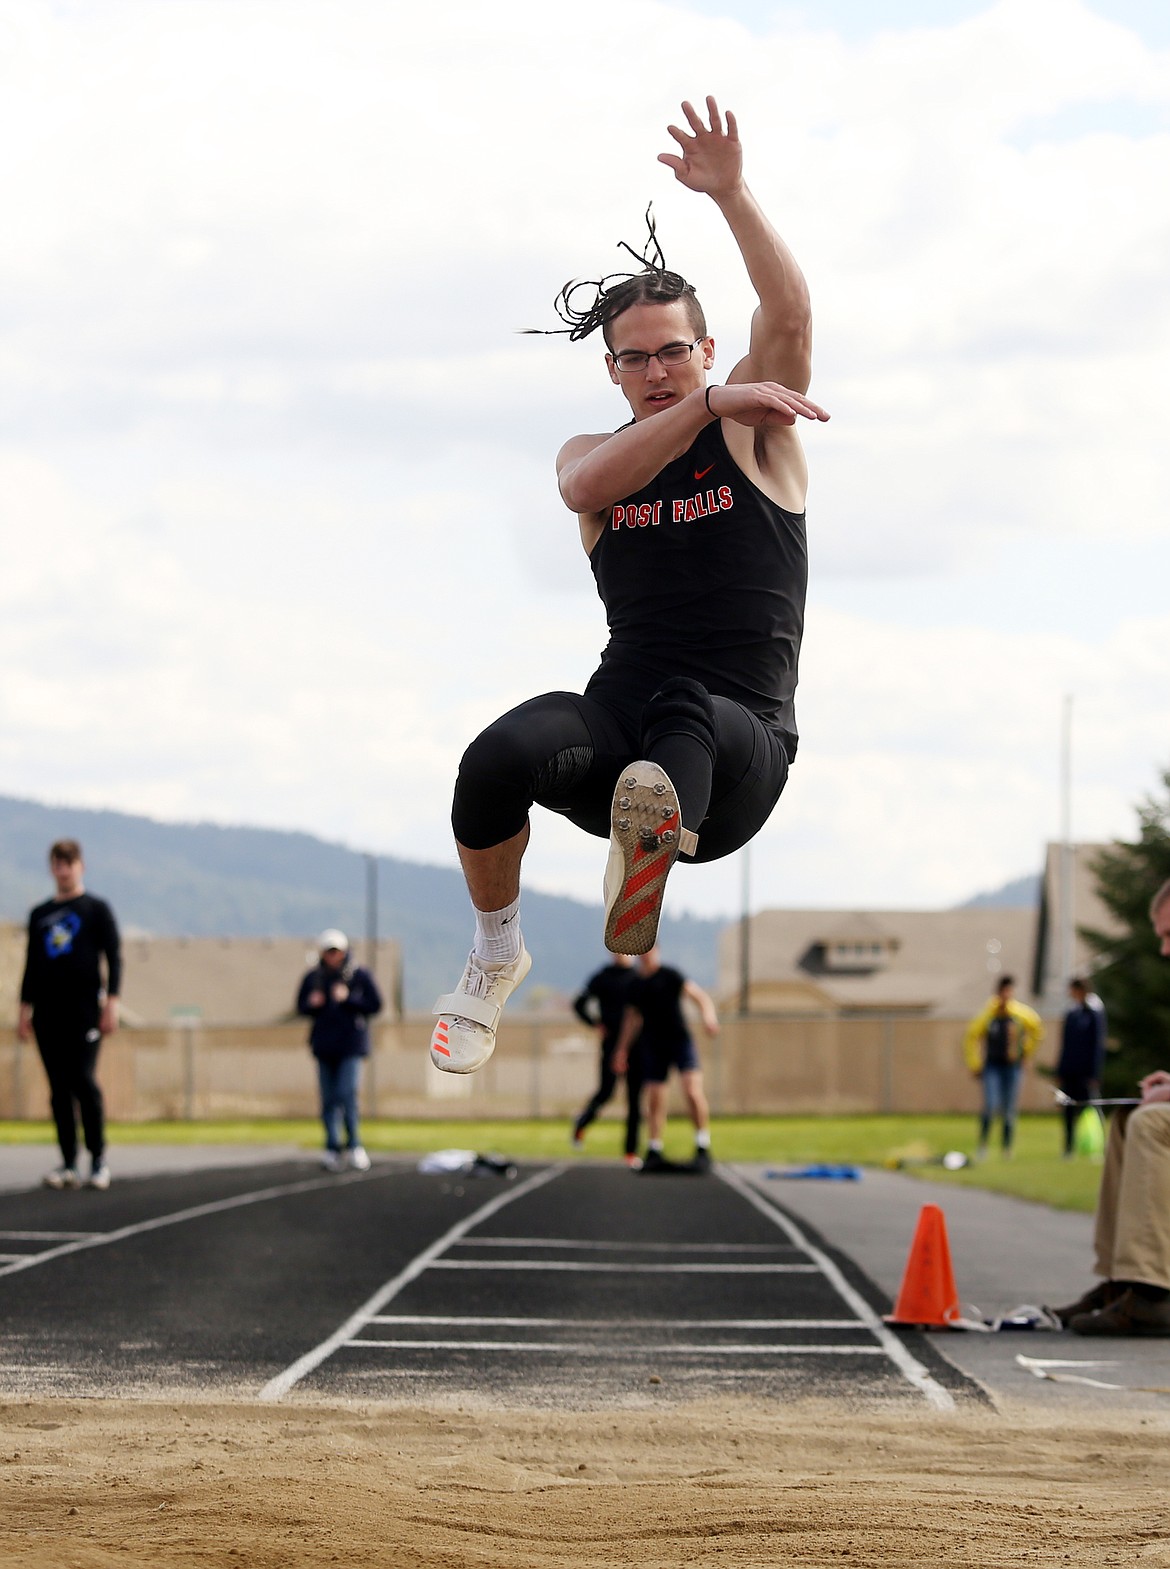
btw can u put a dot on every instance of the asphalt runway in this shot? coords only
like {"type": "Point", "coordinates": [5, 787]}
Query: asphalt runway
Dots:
{"type": "Point", "coordinates": [572, 1286]}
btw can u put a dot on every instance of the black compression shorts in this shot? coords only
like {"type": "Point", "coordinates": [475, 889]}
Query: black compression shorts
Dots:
{"type": "Point", "coordinates": [564, 752]}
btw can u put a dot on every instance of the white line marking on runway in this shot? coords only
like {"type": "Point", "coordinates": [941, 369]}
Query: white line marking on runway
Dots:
{"type": "Point", "coordinates": [624, 1247]}
{"type": "Point", "coordinates": [618, 1323]}
{"type": "Point", "coordinates": [276, 1388]}
{"type": "Point", "coordinates": [99, 1239]}
{"type": "Point", "coordinates": [579, 1266]}
{"type": "Point", "coordinates": [47, 1236]}
{"type": "Point", "coordinates": [603, 1348]}
{"type": "Point", "coordinates": [909, 1366]}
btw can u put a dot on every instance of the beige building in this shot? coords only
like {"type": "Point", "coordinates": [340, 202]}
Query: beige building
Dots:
{"type": "Point", "coordinates": [871, 963]}
{"type": "Point", "coordinates": [231, 980]}
{"type": "Point", "coordinates": [216, 980]}
{"type": "Point", "coordinates": [1068, 902]}
{"type": "Point", "coordinates": [12, 944]}
{"type": "Point", "coordinates": [925, 963]}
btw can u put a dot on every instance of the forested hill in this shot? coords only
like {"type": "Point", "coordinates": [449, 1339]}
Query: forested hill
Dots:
{"type": "Point", "coordinates": [197, 880]}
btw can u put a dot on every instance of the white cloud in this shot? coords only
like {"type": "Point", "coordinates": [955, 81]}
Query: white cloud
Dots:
{"type": "Point", "coordinates": [279, 472]}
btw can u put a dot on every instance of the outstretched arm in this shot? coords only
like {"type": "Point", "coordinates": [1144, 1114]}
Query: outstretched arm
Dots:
{"type": "Point", "coordinates": [710, 161]}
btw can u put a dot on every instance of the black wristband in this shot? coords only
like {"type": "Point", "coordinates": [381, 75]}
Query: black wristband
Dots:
{"type": "Point", "coordinates": [707, 401]}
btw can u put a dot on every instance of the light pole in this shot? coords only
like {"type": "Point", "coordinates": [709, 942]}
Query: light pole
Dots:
{"type": "Point", "coordinates": [371, 965]}
{"type": "Point", "coordinates": [371, 913]}
{"type": "Point", "coordinates": [745, 934]}
{"type": "Point", "coordinates": [1066, 846]}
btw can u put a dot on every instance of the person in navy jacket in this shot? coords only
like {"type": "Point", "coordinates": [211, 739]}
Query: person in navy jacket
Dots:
{"type": "Point", "coordinates": [1082, 1053]}
{"type": "Point", "coordinates": [340, 998]}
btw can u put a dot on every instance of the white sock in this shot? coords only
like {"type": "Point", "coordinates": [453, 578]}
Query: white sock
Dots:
{"type": "Point", "coordinates": [703, 1139]}
{"type": "Point", "coordinates": [656, 1145]}
{"type": "Point", "coordinates": [497, 934]}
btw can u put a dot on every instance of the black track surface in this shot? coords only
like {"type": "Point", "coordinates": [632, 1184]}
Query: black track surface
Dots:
{"type": "Point", "coordinates": [684, 1286]}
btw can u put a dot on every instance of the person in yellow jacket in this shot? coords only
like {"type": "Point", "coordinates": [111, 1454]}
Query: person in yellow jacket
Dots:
{"type": "Point", "coordinates": [999, 1040]}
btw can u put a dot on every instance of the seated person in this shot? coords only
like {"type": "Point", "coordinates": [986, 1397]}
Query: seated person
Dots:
{"type": "Point", "coordinates": [1132, 1234]}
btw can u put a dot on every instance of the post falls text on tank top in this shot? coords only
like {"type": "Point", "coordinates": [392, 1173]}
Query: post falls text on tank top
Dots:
{"type": "Point", "coordinates": [703, 575]}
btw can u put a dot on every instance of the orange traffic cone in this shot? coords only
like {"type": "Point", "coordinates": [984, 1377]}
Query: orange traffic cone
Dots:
{"type": "Point", "coordinates": [928, 1296]}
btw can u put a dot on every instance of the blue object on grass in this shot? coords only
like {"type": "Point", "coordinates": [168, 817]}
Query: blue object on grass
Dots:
{"type": "Point", "coordinates": [820, 1172]}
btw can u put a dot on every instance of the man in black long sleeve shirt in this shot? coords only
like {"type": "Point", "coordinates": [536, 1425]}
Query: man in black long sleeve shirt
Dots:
{"type": "Point", "coordinates": [602, 1006]}
{"type": "Point", "coordinates": [62, 1004]}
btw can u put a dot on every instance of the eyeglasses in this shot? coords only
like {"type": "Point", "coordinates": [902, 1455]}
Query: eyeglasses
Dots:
{"type": "Point", "coordinates": [669, 354]}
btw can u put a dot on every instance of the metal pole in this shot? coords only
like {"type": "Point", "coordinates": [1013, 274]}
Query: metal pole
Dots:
{"type": "Point", "coordinates": [189, 1070]}
{"type": "Point", "coordinates": [18, 1081]}
{"type": "Point", "coordinates": [535, 1044]}
{"type": "Point", "coordinates": [745, 935]}
{"type": "Point", "coordinates": [371, 1096]}
{"type": "Point", "coordinates": [1066, 846]}
{"type": "Point", "coordinates": [372, 914]}
{"type": "Point", "coordinates": [887, 1064]}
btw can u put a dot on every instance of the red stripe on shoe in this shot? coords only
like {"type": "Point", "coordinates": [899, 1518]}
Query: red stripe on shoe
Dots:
{"type": "Point", "coordinates": [442, 1049]}
{"type": "Point", "coordinates": [634, 914]}
{"type": "Point", "coordinates": [645, 877]}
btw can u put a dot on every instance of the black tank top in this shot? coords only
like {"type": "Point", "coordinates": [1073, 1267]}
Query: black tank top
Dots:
{"type": "Point", "coordinates": [702, 575]}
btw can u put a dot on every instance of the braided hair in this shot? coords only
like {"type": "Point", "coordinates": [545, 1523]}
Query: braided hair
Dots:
{"type": "Point", "coordinates": [608, 297]}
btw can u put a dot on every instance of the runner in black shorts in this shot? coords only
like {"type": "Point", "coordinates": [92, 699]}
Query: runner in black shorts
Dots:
{"type": "Point", "coordinates": [602, 1005]}
{"type": "Point", "coordinates": [654, 1039]}
{"type": "Point", "coordinates": [692, 516]}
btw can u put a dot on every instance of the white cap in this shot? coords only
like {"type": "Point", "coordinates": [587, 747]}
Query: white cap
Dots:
{"type": "Point", "coordinates": [332, 938]}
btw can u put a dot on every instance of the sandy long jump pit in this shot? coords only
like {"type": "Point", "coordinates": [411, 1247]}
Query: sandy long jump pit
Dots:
{"type": "Point", "coordinates": [271, 1369]}
{"type": "Point", "coordinates": [105, 1482]}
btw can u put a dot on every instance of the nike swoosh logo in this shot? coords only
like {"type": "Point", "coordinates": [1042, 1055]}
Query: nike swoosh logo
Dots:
{"type": "Point", "coordinates": [701, 473]}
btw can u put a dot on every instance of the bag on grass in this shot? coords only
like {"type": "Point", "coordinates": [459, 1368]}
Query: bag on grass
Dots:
{"type": "Point", "coordinates": [1089, 1134]}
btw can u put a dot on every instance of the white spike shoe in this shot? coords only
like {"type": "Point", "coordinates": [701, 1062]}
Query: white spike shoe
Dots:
{"type": "Point", "coordinates": [465, 1036]}
{"type": "Point", "coordinates": [646, 837]}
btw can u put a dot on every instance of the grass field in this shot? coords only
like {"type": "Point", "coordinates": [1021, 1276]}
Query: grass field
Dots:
{"type": "Point", "coordinates": [1036, 1170]}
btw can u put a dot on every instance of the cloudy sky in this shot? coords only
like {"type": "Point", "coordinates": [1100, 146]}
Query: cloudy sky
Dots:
{"type": "Point", "coordinates": [280, 524]}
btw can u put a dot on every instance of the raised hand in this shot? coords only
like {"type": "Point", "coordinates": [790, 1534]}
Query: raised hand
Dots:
{"type": "Point", "coordinates": [712, 158]}
{"type": "Point", "coordinates": [762, 403]}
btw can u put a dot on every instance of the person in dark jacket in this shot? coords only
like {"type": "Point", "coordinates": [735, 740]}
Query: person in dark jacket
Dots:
{"type": "Point", "coordinates": [1082, 1053]}
{"type": "Point", "coordinates": [69, 1007]}
{"type": "Point", "coordinates": [602, 1005]}
{"type": "Point", "coordinates": [340, 998]}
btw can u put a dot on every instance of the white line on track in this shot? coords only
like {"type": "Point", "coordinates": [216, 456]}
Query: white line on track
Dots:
{"type": "Point", "coordinates": [450, 1320]}
{"type": "Point", "coordinates": [276, 1388]}
{"type": "Point", "coordinates": [579, 1266]}
{"type": "Point", "coordinates": [616, 1353]}
{"type": "Point", "coordinates": [47, 1236]}
{"type": "Point", "coordinates": [908, 1366]}
{"type": "Point", "coordinates": [626, 1247]}
{"type": "Point", "coordinates": [177, 1217]}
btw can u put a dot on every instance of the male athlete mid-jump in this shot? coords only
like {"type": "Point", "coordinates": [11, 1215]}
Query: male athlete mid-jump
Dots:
{"type": "Point", "coordinates": [692, 516]}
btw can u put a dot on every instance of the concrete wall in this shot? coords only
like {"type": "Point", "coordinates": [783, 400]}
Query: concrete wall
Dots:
{"type": "Point", "coordinates": [543, 1066]}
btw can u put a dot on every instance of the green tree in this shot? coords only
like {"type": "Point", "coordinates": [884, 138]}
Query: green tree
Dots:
{"type": "Point", "coordinates": [1131, 977]}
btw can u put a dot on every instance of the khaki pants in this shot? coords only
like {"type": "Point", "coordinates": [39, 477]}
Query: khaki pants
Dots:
{"type": "Point", "coordinates": [1132, 1234]}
